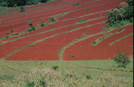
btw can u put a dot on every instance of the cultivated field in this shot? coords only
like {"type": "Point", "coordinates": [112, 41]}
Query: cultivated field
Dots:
{"type": "Point", "coordinates": [72, 37]}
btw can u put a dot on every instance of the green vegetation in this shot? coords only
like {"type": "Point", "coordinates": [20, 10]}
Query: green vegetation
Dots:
{"type": "Point", "coordinates": [107, 34]}
{"type": "Point", "coordinates": [122, 60]}
{"type": "Point", "coordinates": [16, 34]}
{"type": "Point", "coordinates": [6, 77]}
{"type": "Point", "coordinates": [52, 19]}
{"type": "Point", "coordinates": [31, 25]}
{"type": "Point", "coordinates": [22, 9]}
{"type": "Point", "coordinates": [84, 20]}
{"type": "Point", "coordinates": [76, 4]}
{"type": "Point", "coordinates": [120, 15]}
{"type": "Point", "coordinates": [70, 73]}
{"type": "Point", "coordinates": [55, 67]}
{"type": "Point", "coordinates": [11, 30]}
{"type": "Point", "coordinates": [120, 39]}
{"type": "Point", "coordinates": [15, 3]}
{"type": "Point", "coordinates": [42, 24]}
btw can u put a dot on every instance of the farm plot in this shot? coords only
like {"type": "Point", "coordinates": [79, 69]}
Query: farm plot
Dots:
{"type": "Point", "coordinates": [25, 25]}
{"type": "Point", "coordinates": [54, 11]}
{"type": "Point", "coordinates": [83, 50]}
{"type": "Point", "coordinates": [64, 17]}
{"type": "Point", "coordinates": [28, 40]}
{"type": "Point", "coordinates": [64, 24]}
{"type": "Point", "coordinates": [49, 49]}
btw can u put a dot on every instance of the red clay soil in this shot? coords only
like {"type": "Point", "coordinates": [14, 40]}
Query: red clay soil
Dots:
{"type": "Point", "coordinates": [64, 7]}
{"type": "Point", "coordinates": [85, 51]}
{"type": "Point", "coordinates": [49, 49]}
{"type": "Point", "coordinates": [39, 17]}
{"type": "Point", "coordinates": [59, 24]}
{"type": "Point", "coordinates": [25, 41]}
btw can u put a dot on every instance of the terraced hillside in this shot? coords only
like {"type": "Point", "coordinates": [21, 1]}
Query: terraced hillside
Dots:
{"type": "Point", "coordinates": [73, 35]}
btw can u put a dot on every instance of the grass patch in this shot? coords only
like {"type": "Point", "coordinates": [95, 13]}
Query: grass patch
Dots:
{"type": "Point", "coordinates": [81, 21]}
{"type": "Point", "coordinates": [76, 4]}
{"type": "Point", "coordinates": [120, 39]}
{"type": "Point", "coordinates": [87, 70]}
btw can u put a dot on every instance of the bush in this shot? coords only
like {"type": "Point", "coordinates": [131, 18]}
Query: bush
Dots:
{"type": "Point", "coordinates": [76, 4]}
{"type": "Point", "coordinates": [55, 67]}
{"type": "Point", "coordinates": [52, 19]}
{"type": "Point", "coordinates": [73, 55]}
{"type": "Point", "coordinates": [94, 42]}
{"type": "Point", "coordinates": [11, 30]}
{"type": "Point", "coordinates": [16, 33]}
{"type": "Point", "coordinates": [7, 36]}
{"type": "Point", "coordinates": [29, 29]}
{"type": "Point", "coordinates": [30, 84]}
{"type": "Point", "coordinates": [22, 9]}
{"type": "Point", "coordinates": [88, 76]}
{"type": "Point", "coordinates": [121, 59]}
{"type": "Point", "coordinates": [31, 25]}
{"type": "Point", "coordinates": [42, 24]}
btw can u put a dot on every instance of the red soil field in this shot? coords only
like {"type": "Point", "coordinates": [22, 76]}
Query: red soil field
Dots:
{"type": "Point", "coordinates": [28, 40]}
{"type": "Point", "coordinates": [22, 28]}
{"type": "Point", "coordinates": [62, 19]}
{"type": "Point", "coordinates": [61, 24]}
{"type": "Point", "coordinates": [90, 4]}
{"type": "Point", "coordinates": [49, 49]}
{"type": "Point", "coordinates": [85, 51]}
{"type": "Point", "coordinates": [59, 35]}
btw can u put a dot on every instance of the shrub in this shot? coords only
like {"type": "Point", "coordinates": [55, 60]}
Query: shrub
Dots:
{"type": "Point", "coordinates": [84, 20]}
{"type": "Point", "coordinates": [42, 24]}
{"type": "Point", "coordinates": [55, 67]}
{"type": "Point", "coordinates": [94, 42]}
{"type": "Point", "coordinates": [7, 36]}
{"type": "Point", "coordinates": [76, 4]}
{"type": "Point", "coordinates": [122, 60]}
{"type": "Point", "coordinates": [52, 19]}
{"type": "Point", "coordinates": [30, 23]}
{"type": "Point", "coordinates": [30, 84]}
{"type": "Point", "coordinates": [32, 27]}
{"type": "Point", "coordinates": [16, 33]}
{"type": "Point", "coordinates": [22, 9]}
{"type": "Point", "coordinates": [73, 56]}
{"type": "Point", "coordinates": [11, 30]}
{"type": "Point", "coordinates": [29, 29]}
{"type": "Point", "coordinates": [88, 76]}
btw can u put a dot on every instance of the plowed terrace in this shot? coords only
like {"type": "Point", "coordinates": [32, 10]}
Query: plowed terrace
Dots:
{"type": "Point", "coordinates": [70, 37]}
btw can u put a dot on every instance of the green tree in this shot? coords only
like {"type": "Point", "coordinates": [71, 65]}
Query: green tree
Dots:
{"type": "Point", "coordinates": [121, 59]}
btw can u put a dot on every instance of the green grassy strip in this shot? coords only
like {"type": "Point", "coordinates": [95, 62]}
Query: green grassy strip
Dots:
{"type": "Point", "coordinates": [47, 31]}
{"type": "Point", "coordinates": [91, 67]}
{"type": "Point", "coordinates": [76, 4]}
{"type": "Point", "coordinates": [120, 39]}
{"type": "Point", "coordinates": [74, 42]}
{"type": "Point", "coordinates": [33, 43]}
{"type": "Point", "coordinates": [11, 68]}
{"type": "Point", "coordinates": [100, 40]}
{"type": "Point", "coordinates": [5, 9]}
{"type": "Point", "coordinates": [82, 21]}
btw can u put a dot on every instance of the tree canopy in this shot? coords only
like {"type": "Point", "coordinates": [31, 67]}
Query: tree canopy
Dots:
{"type": "Point", "coordinates": [13, 3]}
